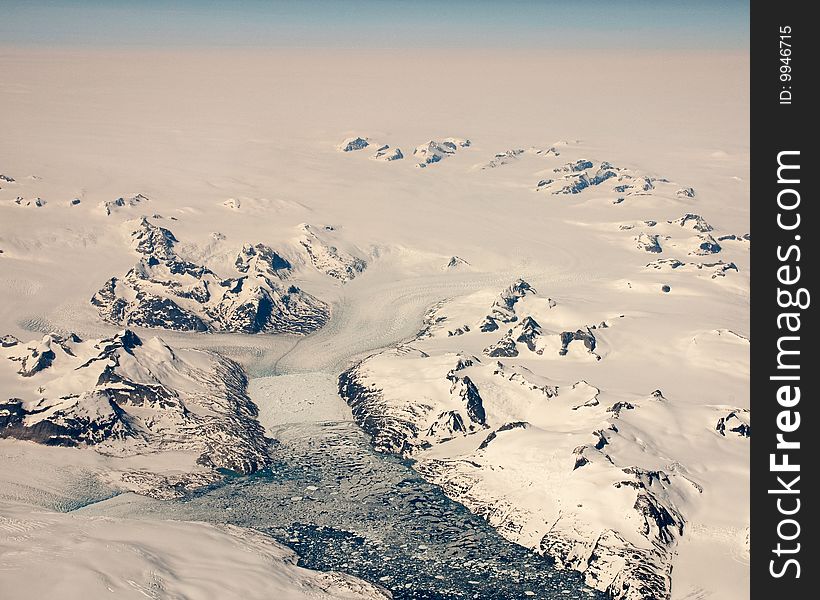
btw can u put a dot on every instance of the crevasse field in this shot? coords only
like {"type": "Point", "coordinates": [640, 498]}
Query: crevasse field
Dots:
{"type": "Point", "coordinates": [447, 324]}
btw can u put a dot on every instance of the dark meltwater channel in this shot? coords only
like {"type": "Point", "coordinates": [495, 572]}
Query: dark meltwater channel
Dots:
{"type": "Point", "coordinates": [344, 507]}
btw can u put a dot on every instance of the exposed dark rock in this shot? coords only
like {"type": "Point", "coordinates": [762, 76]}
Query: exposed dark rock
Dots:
{"type": "Point", "coordinates": [165, 291]}
{"type": "Point", "coordinates": [7, 341]}
{"type": "Point", "coordinates": [693, 221]}
{"type": "Point", "coordinates": [328, 258]}
{"type": "Point", "coordinates": [447, 424]}
{"type": "Point", "coordinates": [649, 242]}
{"type": "Point", "coordinates": [111, 205]}
{"type": "Point", "coordinates": [503, 309]}
{"type": "Point", "coordinates": [384, 153]}
{"type": "Point", "coordinates": [504, 427]}
{"type": "Point", "coordinates": [456, 261]}
{"type": "Point", "coordinates": [735, 423]}
{"type": "Point", "coordinates": [529, 332]}
{"type": "Point", "coordinates": [575, 167]}
{"type": "Point", "coordinates": [706, 245]}
{"type": "Point", "coordinates": [459, 331]}
{"type": "Point", "coordinates": [433, 151]}
{"type": "Point", "coordinates": [504, 347]}
{"type": "Point", "coordinates": [352, 144]}
{"type": "Point", "coordinates": [580, 335]}
{"type": "Point", "coordinates": [618, 407]}
{"type": "Point", "coordinates": [130, 400]}
{"type": "Point", "coordinates": [468, 393]}
{"type": "Point", "coordinates": [388, 432]}
{"type": "Point", "coordinates": [488, 324]}
{"type": "Point", "coordinates": [262, 259]}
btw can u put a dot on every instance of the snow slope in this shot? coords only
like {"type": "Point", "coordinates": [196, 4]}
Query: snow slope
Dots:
{"type": "Point", "coordinates": [125, 397]}
{"type": "Point", "coordinates": [96, 557]}
{"type": "Point", "coordinates": [96, 141]}
{"type": "Point", "coordinates": [602, 478]}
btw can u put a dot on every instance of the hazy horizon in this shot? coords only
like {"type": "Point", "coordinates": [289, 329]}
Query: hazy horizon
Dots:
{"type": "Point", "coordinates": [376, 24]}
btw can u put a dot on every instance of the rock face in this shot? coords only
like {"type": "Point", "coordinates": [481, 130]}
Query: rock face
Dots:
{"type": "Point", "coordinates": [386, 154]}
{"type": "Point", "coordinates": [455, 262]}
{"type": "Point", "coordinates": [433, 151]}
{"type": "Point", "coordinates": [111, 206]}
{"type": "Point", "coordinates": [735, 422]}
{"type": "Point", "coordinates": [649, 243]}
{"type": "Point", "coordinates": [575, 167]}
{"type": "Point", "coordinates": [587, 337]}
{"type": "Point", "coordinates": [165, 291]}
{"type": "Point", "coordinates": [354, 143]}
{"type": "Point", "coordinates": [503, 158]}
{"type": "Point", "coordinates": [327, 258]}
{"type": "Point", "coordinates": [715, 270]}
{"type": "Point", "coordinates": [693, 221]}
{"type": "Point", "coordinates": [503, 309]}
{"type": "Point", "coordinates": [575, 177]}
{"type": "Point", "coordinates": [706, 245]}
{"type": "Point", "coordinates": [262, 259]}
{"type": "Point", "coordinates": [125, 396]}
{"type": "Point", "coordinates": [504, 347]}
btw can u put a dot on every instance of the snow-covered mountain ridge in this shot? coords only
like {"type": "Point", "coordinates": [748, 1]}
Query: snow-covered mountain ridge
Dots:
{"type": "Point", "coordinates": [578, 472]}
{"type": "Point", "coordinates": [124, 396]}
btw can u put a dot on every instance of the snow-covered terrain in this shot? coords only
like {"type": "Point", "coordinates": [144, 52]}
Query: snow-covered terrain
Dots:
{"type": "Point", "coordinates": [167, 292]}
{"type": "Point", "coordinates": [99, 557]}
{"type": "Point", "coordinates": [126, 398]}
{"type": "Point", "coordinates": [603, 479]}
{"type": "Point", "coordinates": [535, 286]}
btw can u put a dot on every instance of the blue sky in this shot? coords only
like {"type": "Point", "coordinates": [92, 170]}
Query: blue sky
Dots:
{"type": "Point", "coordinates": [641, 24]}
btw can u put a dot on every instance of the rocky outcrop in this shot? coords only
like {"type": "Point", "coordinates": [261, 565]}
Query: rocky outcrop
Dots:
{"type": "Point", "coordinates": [715, 270]}
{"type": "Point", "coordinates": [505, 347]}
{"type": "Point", "coordinates": [111, 206]}
{"type": "Point", "coordinates": [456, 262]}
{"type": "Point", "coordinates": [434, 151]}
{"type": "Point", "coordinates": [166, 291]}
{"type": "Point", "coordinates": [587, 337]}
{"type": "Point", "coordinates": [468, 393]}
{"type": "Point", "coordinates": [388, 431]}
{"type": "Point", "coordinates": [528, 332]}
{"type": "Point", "coordinates": [354, 143]}
{"type": "Point", "coordinates": [503, 158]}
{"type": "Point", "coordinates": [327, 258]}
{"type": "Point", "coordinates": [503, 309]}
{"type": "Point", "coordinates": [575, 177]}
{"type": "Point", "coordinates": [693, 221]}
{"type": "Point", "coordinates": [262, 259]}
{"type": "Point", "coordinates": [735, 422]}
{"type": "Point", "coordinates": [575, 167]}
{"type": "Point", "coordinates": [387, 154]}
{"type": "Point", "coordinates": [649, 243]}
{"type": "Point", "coordinates": [706, 245]}
{"type": "Point", "coordinates": [126, 396]}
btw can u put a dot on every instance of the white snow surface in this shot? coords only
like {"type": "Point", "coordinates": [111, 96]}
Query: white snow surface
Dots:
{"type": "Point", "coordinates": [252, 159]}
{"type": "Point", "coordinates": [81, 557]}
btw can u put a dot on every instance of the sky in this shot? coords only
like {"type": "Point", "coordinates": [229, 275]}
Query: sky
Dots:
{"type": "Point", "coordinates": [590, 24]}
